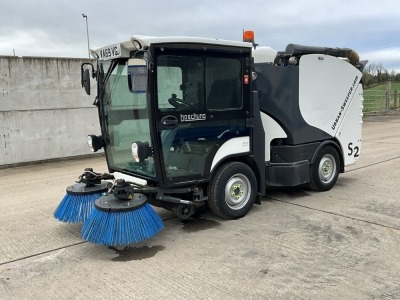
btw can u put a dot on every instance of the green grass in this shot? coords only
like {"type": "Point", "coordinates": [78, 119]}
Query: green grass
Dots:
{"type": "Point", "coordinates": [382, 87]}
{"type": "Point", "coordinates": [375, 98]}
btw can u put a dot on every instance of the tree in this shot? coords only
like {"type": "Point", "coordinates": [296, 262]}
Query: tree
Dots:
{"type": "Point", "coordinates": [376, 73]}
{"type": "Point", "coordinates": [369, 75]}
{"type": "Point", "coordinates": [380, 70]}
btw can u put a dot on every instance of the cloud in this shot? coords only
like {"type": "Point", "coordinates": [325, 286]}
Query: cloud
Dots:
{"type": "Point", "coordinates": [36, 42]}
{"type": "Point", "coordinates": [56, 28]}
{"type": "Point", "coordinates": [388, 57]}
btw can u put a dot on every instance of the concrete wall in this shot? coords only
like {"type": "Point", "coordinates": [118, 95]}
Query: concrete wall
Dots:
{"type": "Point", "coordinates": [44, 111]}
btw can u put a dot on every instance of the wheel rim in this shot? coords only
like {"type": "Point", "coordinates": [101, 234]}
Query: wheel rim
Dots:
{"type": "Point", "coordinates": [237, 191]}
{"type": "Point", "coordinates": [327, 169]}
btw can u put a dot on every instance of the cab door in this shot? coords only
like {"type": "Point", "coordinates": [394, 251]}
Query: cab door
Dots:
{"type": "Point", "coordinates": [202, 102]}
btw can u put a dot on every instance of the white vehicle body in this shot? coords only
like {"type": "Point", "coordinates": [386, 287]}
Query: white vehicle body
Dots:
{"type": "Point", "coordinates": [286, 118]}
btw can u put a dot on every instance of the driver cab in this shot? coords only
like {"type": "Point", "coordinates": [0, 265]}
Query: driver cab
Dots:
{"type": "Point", "coordinates": [201, 102]}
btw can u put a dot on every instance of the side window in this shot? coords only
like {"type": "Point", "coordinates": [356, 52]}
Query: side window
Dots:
{"type": "Point", "coordinates": [169, 81]}
{"type": "Point", "coordinates": [180, 82]}
{"type": "Point", "coordinates": [118, 89]}
{"type": "Point", "coordinates": [223, 83]}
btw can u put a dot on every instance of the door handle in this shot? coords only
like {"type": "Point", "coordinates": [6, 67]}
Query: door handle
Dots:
{"type": "Point", "coordinates": [169, 121]}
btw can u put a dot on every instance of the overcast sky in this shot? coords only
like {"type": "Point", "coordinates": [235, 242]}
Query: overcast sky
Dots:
{"type": "Point", "coordinates": [57, 28]}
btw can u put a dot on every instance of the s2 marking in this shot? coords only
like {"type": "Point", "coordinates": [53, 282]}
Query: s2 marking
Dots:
{"type": "Point", "coordinates": [353, 150]}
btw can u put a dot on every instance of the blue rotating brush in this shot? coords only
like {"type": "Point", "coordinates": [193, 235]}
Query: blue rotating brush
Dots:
{"type": "Point", "coordinates": [79, 200]}
{"type": "Point", "coordinates": [121, 218]}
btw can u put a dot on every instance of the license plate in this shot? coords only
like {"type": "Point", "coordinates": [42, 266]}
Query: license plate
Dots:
{"type": "Point", "coordinates": [109, 52]}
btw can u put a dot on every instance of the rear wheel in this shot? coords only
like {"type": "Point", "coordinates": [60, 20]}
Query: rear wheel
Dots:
{"type": "Point", "coordinates": [232, 192]}
{"type": "Point", "coordinates": [325, 170]}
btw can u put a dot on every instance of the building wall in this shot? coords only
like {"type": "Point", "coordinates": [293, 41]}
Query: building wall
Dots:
{"type": "Point", "coordinates": [44, 111]}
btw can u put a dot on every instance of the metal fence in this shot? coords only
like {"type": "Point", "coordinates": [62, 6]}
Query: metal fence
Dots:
{"type": "Point", "coordinates": [376, 101]}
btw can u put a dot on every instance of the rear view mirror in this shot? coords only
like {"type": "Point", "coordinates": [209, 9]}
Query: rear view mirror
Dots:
{"type": "Point", "coordinates": [137, 75]}
{"type": "Point", "coordinates": [85, 76]}
{"type": "Point", "coordinates": [86, 81]}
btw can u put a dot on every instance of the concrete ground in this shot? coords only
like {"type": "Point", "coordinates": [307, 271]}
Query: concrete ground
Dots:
{"type": "Point", "coordinates": [299, 244]}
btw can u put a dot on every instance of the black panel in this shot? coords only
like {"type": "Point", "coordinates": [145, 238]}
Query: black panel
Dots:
{"type": "Point", "coordinates": [290, 165]}
{"type": "Point", "coordinates": [278, 91]}
{"type": "Point", "coordinates": [258, 144]}
{"type": "Point", "coordinates": [289, 154]}
{"type": "Point", "coordinates": [287, 174]}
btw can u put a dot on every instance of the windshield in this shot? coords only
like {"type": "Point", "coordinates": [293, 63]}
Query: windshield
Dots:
{"type": "Point", "coordinates": [124, 120]}
{"type": "Point", "coordinates": [105, 66]}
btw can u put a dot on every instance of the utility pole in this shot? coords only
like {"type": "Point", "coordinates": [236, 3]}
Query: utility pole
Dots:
{"type": "Point", "coordinates": [87, 33]}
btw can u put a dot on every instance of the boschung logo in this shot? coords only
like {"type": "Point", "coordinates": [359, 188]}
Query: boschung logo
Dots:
{"type": "Point", "coordinates": [193, 117]}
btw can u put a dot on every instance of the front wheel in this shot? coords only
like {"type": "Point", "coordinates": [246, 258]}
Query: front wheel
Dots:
{"type": "Point", "coordinates": [233, 190]}
{"type": "Point", "coordinates": [325, 171]}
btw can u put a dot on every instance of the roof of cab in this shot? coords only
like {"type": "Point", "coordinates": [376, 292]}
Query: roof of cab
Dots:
{"type": "Point", "coordinates": [146, 41]}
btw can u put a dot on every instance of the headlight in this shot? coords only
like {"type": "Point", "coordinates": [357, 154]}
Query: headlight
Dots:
{"type": "Point", "coordinates": [140, 151]}
{"type": "Point", "coordinates": [89, 142]}
{"type": "Point", "coordinates": [135, 152]}
{"type": "Point", "coordinates": [94, 142]}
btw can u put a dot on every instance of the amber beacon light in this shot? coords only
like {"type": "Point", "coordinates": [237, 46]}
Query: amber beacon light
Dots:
{"type": "Point", "coordinates": [248, 36]}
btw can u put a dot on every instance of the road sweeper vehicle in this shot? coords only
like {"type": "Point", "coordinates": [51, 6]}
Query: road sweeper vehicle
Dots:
{"type": "Point", "coordinates": [190, 122]}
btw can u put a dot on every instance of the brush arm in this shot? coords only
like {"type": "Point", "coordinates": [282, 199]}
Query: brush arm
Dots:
{"type": "Point", "coordinates": [89, 177]}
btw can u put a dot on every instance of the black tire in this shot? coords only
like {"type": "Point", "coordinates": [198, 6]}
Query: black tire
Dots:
{"type": "Point", "coordinates": [325, 170]}
{"type": "Point", "coordinates": [232, 191]}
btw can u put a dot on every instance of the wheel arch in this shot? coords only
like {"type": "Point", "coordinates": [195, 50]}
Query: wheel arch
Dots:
{"type": "Point", "coordinates": [339, 150]}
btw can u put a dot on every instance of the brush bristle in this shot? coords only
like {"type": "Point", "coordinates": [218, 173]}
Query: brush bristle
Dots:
{"type": "Point", "coordinates": [74, 208]}
{"type": "Point", "coordinates": [122, 228]}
